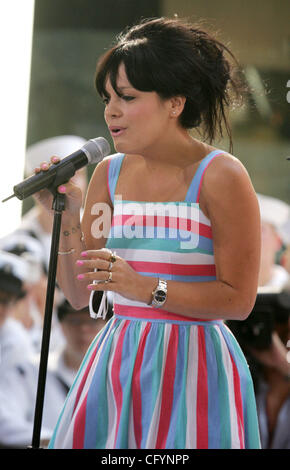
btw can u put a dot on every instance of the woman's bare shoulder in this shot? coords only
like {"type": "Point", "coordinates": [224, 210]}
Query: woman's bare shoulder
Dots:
{"type": "Point", "coordinates": [226, 182]}
{"type": "Point", "coordinates": [223, 167]}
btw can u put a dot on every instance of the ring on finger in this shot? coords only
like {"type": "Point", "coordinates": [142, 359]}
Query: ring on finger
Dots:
{"type": "Point", "coordinates": [113, 258]}
{"type": "Point", "coordinates": [110, 266]}
{"type": "Point", "coordinates": [109, 278]}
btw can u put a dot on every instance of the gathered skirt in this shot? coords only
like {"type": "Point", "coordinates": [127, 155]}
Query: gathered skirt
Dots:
{"type": "Point", "coordinates": [160, 385]}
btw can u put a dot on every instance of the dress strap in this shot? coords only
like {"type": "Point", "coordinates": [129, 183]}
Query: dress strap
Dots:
{"type": "Point", "coordinates": [115, 163]}
{"type": "Point", "coordinates": [195, 185]}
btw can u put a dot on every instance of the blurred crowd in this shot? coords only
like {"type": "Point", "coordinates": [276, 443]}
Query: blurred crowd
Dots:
{"type": "Point", "coordinates": [24, 261]}
{"type": "Point", "coordinates": [24, 255]}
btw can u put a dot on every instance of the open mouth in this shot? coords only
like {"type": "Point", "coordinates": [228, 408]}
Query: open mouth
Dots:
{"type": "Point", "coordinates": [116, 131]}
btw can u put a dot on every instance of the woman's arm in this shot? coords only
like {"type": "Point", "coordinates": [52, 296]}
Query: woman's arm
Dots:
{"type": "Point", "coordinates": [77, 235]}
{"type": "Point", "coordinates": [229, 200]}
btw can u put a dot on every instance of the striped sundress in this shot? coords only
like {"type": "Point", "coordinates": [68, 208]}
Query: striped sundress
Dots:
{"type": "Point", "coordinates": [152, 379]}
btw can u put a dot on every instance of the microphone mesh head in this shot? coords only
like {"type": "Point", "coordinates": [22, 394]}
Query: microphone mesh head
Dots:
{"type": "Point", "coordinates": [96, 149]}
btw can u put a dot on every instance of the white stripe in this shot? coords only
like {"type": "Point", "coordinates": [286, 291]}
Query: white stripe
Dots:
{"type": "Point", "coordinates": [191, 388]}
{"type": "Point", "coordinates": [235, 440]}
{"type": "Point", "coordinates": [154, 425]}
{"type": "Point", "coordinates": [157, 256]}
{"type": "Point", "coordinates": [119, 299]}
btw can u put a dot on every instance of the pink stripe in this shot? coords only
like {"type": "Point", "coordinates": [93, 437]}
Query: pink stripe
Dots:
{"type": "Point", "coordinates": [79, 426]}
{"type": "Point", "coordinates": [239, 404]}
{"type": "Point", "coordinates": [201, 179]}
{"type": "Point", "coordinates": [84, 378]}
{"type": "Point", "coordinates": [116, 384]}
{"type": "Point", "coordinates": [160, 221]}
{"type": "Point", "coordinates": [150, 313]}
{"type": "Point", "coordinates": [175, 269]}
{"type": "Point", "coordinates": [202, 394]}
{"type": "Point", "coordinates": [136, 388]}
{"type": "Point", "coordinates": [167, 389]}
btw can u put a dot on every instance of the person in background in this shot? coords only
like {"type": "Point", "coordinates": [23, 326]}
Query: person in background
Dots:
{"type": "Point", "coordinates": [274, 215]}
{"type": "Point", "coordinates": [266, 333]}
{"type": "Point", "coordinates": [29, 310]}
{"type": "Point", "coordinates": [273, 394]}
{"type": "Point", "coordinates": [19, 384]}
{"type": "Point", "coordinates": [15, 343]}
{"type": "Point", "coordinates": [285, 255]}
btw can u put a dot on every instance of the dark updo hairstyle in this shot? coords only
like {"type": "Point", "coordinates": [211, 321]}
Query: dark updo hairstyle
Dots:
{"type": "Point", "coordinates": [175, 58]}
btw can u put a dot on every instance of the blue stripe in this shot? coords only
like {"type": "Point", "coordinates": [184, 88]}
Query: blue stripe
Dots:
{"type": "Point", "coordinates": [114, 171]}
{"type": "Point", "coordinates": [214, 418]}
{"type": "Point", "coordinates": [150, 377]}
{"type": "Point", "coordinates": [251, 427]}
{"type": "Point", "coordinates": [190, 239]}
{"type": "Point", "coordinates": [222, 393]}
{"type": "Point", "coordinates": [176, 438]}
{"type": "Point", "coordinates": [180, 240]}
{"type": "Point", "coordinates": [175, 277]}
{"type": "Point", "coordinates": [192, 192]}
{"type": "Point", "coordinates": [135, 244]}
{"type": "Point", "coordinates": [129, 352]}
{"type": "Point", "coordinates": [96, 427]}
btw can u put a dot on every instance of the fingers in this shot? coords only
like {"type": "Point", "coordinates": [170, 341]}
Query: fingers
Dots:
{"type": "Point", "coordinates": [96, 276]}
{"type": "Point", "coordinates": [92, 264]}
{"type": "Point", "coordinates": [104, 254]}
{"type": "Point", "coordinates": [44, 166]}
{"type": "Point", "coordinates": [104, 273]}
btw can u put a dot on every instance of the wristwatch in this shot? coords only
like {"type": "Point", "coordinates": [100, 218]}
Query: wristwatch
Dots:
{"type": "Point", "coordinates": [159, 294]}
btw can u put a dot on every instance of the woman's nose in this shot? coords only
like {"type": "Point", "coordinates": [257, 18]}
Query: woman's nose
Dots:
{"type": "Point", "coordinates": [113, 109]}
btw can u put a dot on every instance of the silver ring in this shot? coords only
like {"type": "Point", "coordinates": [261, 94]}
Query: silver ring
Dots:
{"type": "Point", "coordinates": [110, 266]}
{"type": "Point", "coordinates": [109, 278]}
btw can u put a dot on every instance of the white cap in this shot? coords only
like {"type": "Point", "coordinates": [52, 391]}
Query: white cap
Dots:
{"type": "Point", "coordinates": [22, 243]}
{"type": "Point", "coordinates": [13, 265]}
{"type": "Point", "coordinates": [274, 211]}
{"type": "Point", "coordinates": [285, 231]}
{"type": "Point", "coordinates": [28, 248]}
{"type": "Point", "coordinates": [60, 146]}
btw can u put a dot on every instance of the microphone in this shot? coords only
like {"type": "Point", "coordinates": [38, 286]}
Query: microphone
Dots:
{"type": "Point", "coordinates": [92, 152]}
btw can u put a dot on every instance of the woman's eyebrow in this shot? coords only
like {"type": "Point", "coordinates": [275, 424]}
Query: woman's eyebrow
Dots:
{"type": "Point", "coordinates": [124, 87]}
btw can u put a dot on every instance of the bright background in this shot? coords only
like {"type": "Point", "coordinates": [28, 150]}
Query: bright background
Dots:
{"type": "Point", "coordinates": [16, 27]}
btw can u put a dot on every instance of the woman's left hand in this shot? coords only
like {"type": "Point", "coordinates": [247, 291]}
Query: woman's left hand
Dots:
{"type": "Point", "coordinates": [113, 273]}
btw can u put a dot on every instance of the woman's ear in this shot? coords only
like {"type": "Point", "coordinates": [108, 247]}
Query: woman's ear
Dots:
{"type": "Point", "coordinates": [177, 105]}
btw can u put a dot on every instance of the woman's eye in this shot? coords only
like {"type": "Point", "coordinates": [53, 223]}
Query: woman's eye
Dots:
{"type": "Point", "coordinates": [105, 100]}
{"type": "Point", "coordinates": [128, 98]}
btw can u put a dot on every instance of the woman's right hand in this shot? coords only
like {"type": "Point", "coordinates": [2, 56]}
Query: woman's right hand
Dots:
{"type": "Point", "coordinates": [73, 194]}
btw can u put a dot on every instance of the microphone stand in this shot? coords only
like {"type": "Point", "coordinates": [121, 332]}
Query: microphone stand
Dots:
{"type": "Point", "coordinates": [58, 207]}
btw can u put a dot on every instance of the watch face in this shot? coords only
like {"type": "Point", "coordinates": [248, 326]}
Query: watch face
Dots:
{"type": "Point", "coordinates": [160, 296]}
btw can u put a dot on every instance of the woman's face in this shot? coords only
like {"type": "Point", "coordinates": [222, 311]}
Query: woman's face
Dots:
{"type": "Point", "coordinates": [137, 120]}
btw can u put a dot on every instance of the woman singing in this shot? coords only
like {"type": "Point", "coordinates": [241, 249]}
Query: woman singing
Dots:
{"type": "Point", "coordinates": [180, 257]}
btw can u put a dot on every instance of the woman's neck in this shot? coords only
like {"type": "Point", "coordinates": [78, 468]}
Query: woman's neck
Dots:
{"type": "Point", "coordinates": [178, 152]}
